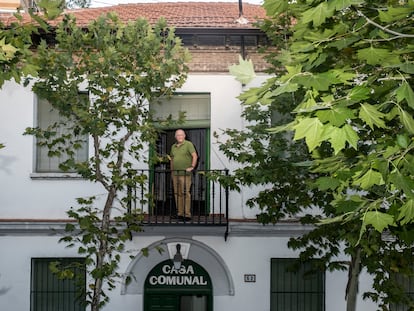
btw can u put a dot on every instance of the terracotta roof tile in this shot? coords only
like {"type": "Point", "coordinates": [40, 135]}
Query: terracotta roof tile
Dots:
{"type": "Point", "coordinates": [177, 14]}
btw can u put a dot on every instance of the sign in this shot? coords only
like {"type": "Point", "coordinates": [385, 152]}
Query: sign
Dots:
{"type": "Point", "coordinates": [189, 275]}
{"type": "Point", "coordinates": [250, 278]}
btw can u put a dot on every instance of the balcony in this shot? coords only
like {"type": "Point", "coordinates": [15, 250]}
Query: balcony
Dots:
{"type": "Point", "coordinates": [151, 195]}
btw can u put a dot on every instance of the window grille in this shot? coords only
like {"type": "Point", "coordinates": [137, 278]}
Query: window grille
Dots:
{"type": "Point", "coordinates": [296, 290]}
{"type": "Point", "coordinates": [407, 283]}
{"type": "Point", "coordinates": [51, 293]}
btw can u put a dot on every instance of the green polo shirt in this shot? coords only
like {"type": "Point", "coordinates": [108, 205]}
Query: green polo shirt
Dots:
{"type": "Point", "coordinates": [181, 155]}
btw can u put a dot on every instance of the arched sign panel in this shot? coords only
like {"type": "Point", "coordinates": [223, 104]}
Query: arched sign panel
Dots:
{"type": "Point", "coordinates": [188, 288]}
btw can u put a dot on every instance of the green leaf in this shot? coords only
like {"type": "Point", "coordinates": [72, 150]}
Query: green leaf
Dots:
{"type": "Point", "coordinates": [402, 140]}
{"type": "Point", "coordinates": [51, 8]}
{"type": "Point", "coordinates": [402, 183]}
{"type": "Point", "coordinates": [404, 91]}
{"type": "Point", "coordinates": [368, 179]}
{"type": "Point", "coordinates": [337, 138]}
{"type": "Point", "coordinates": [274, 8]}
{"type": "Point", "coordinates": [371, 116]}
{"type": "Point", "coordinates": [325, 183]}
{"type": "Point", "coordinates": [250, 96]}
{"type": "Point", "coordinates": [337, 116]}
{"type": "Point", "coordinates": [351, 136]}
{"type": "Point", "coordinates": [339, 5]}
{"type": "Point", "coordinates": [378, 220]}
{"type": "Point", "coordinates": [30, 70]}
{"type": "Point", "coordinates": [407, 120]}
{"type": "Point", "coordinates": [407, 67]}
{"type": "Point", "coordinates": [318, 14]}
{"type": "Point", "coordinates": [359, 93]}
{"type": "Point", "coordinates": [318, 81]}
{"type": "Point", "coordinates": [285, 88]}
{"type": "Point", "coordinates": [7, 50]}
{"type": "Point", "coordinates": [282, 128]}
{"type": "Point", "coordinates": [244, 71]}
{"type": "Point", "coordinates": [406, 212]}
{"type": "Point", "coordinates": [311, 129]}
{"type": "Point", "coordinates": [374, 56]}
{"type": "Point", "coordinates": [394, 14]}
{"type": "Point", "coordinates": [348, 203]}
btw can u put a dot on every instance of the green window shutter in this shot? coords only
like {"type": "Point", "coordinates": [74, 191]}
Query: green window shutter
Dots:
{"type": "Point", "coordinates": [296, 290]}
{"type": "Point", "coordinates": [48, 116]}
{"type": "Point", "coordinates": [50, 293]}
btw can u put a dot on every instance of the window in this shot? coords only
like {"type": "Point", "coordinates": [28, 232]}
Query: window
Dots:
{"type": "Point", "coordinates": [296, 290]}
{"type": "Point", "coordinates": [48, 292]}
{"type": "Point", "coordinates": [407, 283]}
{"type": "Point", "coordinates": [49, 117]}
{"type": "Point", "coordinates": [196, 108]}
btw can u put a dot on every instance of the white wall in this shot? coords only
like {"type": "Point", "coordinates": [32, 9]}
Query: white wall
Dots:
{"type": "Point", "coordinates": [25, 197]}
{"type": "Point", "coordinates": [243, 255]}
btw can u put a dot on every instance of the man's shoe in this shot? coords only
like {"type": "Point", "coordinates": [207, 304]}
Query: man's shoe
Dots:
{"type": "Point", "coordinates": [187, 218]}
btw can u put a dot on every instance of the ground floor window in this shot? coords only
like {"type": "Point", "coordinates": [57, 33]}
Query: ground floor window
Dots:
{"type": "Point", "coordinates": [296, 290]}
{"type": "Point", "coordinates": [50, 292]}
{"type": "Point", "coordinates": [407, 283]}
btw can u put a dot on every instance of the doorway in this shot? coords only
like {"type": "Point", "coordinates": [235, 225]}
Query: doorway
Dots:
{"type": "Point", "coordinates": [186, 289]}
{"type": "Point", "coordinates": [177, 302]}
{"type": "Point", "coordinates": [162, 187]}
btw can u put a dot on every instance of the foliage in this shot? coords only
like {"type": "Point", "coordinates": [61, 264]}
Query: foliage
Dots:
{"type": "Point", "coordinates": [15, 51]}
{"type": "Point", "coordinates": [244, 71]}
{"type": "Point", "coordinates": [16, 41]}
{"type": "Point", "coordinates": [264, 155]}
{"type": "Point", "coordinates": [348, 65]}
{"type": "Point", "coordinates": [73, 4]}
{"type": "Point", "coordinates": [122, 67]}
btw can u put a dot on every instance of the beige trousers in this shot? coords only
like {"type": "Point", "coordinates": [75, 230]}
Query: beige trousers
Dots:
{"type": "Point", "coordinates": [182, 195]}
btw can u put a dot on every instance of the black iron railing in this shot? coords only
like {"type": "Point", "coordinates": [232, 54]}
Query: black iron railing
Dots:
{"type": "Point", "coordinates": [151, 194]}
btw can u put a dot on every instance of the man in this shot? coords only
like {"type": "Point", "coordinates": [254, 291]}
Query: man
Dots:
{"type": "Point", "coordinates": [183, 161]}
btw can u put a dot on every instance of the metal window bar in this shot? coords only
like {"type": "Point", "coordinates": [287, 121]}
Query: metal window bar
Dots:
{"type": "Point", "coordinates": [296, 290]}
{"type": "Point", "coordinates": [407, 283]}
{"type": "Point", "coordinates": [151, 193]}
{"type": "Point", "coordinates": [48, 292]}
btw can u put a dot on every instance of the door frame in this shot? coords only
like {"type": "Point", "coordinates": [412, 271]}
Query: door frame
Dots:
{"type": "Point", "coordinates": [165, 165]}
{"type": "Point", "coordinates": [175, 292]}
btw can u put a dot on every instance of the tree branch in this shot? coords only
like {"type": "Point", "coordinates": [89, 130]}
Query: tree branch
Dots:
{"type": "Point", "coordinates": [395, 33]}
{"type": "Point", "coordinates": [99, 175]}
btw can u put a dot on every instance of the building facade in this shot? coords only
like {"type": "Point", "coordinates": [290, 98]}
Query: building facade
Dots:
{"type": "Point", "coordinates": [221, 259]}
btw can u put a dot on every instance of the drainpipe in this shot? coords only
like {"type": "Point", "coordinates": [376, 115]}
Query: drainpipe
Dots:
{"type": "Point", "coordinates": [243, 21]}
{"type": "Point", "coordinates": [240, 8]}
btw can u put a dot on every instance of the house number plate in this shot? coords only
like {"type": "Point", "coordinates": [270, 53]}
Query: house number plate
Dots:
{"type": "Point", "coordinates": [250, 278]}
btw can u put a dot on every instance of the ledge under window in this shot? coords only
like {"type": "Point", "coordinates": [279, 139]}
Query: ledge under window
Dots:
{"type": "Point", "coordinates": [55, 176]}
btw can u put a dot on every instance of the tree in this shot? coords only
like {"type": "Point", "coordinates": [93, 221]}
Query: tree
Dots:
{"type": "Point", "coordinates": [16, 40]}
{"type": "Point", "coordinates": [348, 65]}
{"type": "Point", "coordinates": [122, 67]}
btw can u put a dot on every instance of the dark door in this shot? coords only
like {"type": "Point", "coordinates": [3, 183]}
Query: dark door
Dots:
{"type": "Point", "coordinates": [161, 302]}
{"type": "Point", "coordinates": [187, 289]}
{"type": "Point", "coordinates": [162, 188]}
{"type": "Point", "coordinates": [177, 302]}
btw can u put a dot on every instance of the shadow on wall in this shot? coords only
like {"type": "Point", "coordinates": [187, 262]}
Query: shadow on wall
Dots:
{"type": "Point", "coordinates": [6, 163]}
{"type": "Point", "coordinates": [4, 290]}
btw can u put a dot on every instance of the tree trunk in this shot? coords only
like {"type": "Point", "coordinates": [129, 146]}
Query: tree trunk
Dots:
{"type": "Point", "coordinates": [353, 281]}
{"type": "Point", "coordinates": [103, 249]}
